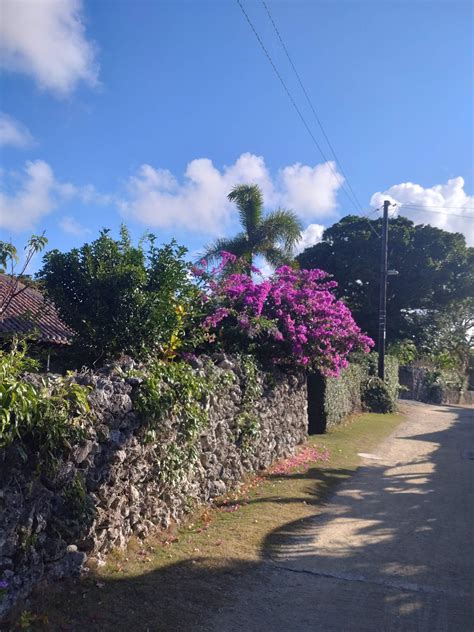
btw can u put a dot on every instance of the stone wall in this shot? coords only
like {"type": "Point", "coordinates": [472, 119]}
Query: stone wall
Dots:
{"type": "Point", "coordinates": [110, 487]}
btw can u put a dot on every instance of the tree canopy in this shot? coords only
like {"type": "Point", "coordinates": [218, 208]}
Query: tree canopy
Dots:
{"type": "Point", "coordinates": [435, 272]}
{"type": "Point", "coordinates": [273, 236]}
{"type": "Point", "coordinates": [120, 298]}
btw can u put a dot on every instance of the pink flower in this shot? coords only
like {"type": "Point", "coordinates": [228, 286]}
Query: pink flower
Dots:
{"type": "Point", "coordinates": [295, 315]}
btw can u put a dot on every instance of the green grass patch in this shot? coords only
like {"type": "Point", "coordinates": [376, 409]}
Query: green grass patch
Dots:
{"type": "Point", "coordinates": [169, 581]}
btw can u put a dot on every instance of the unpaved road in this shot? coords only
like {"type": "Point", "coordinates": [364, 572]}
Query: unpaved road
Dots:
{"type": "Point", "coordinates": [392, 551]}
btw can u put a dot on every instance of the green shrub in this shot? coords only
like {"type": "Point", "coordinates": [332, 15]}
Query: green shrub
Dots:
{"type": "Point", "coordinates": [332, 399]}
{"type": "Point", "coordinates": [47, 416]}
{"type": "Point", "coordinates": [121, 299]}
{"type": "Point", "coordinates": [391, 377]}
{"type": "Point", "coordinates": [370, 363]}
{"type": "Point", "coordinates": [376, 397]}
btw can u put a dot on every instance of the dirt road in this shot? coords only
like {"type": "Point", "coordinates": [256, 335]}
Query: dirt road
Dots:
{"type": "Point", "coordinates": [392, 551]}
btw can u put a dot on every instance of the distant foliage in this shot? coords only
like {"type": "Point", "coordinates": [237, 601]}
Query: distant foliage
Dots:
{"type": "Point", "coordinates": [440, 382]}
{"type": "Point", "coordinates": [405, 350]}
{"type": "Point", "coordinates": [120, 298]}
{"type": "Point", "coordinates": [291, 319]}
{"type": "Point", "coordinates": [449, 336]}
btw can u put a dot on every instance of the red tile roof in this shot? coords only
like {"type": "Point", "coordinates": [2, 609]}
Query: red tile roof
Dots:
{"type": "Point", "coordinates": [29, 312]}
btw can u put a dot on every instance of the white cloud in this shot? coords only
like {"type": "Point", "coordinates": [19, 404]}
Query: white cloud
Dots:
{"type": "Point", "coordinates": [311, 235]}
{"type": "Point", "coordinates": [157, 198]}
{"type": "Point", "coordinates": [25, 199]}
{"type": "Point", "coordinates": [311, 191]}
{"type": "Point", "coordinates": [22, 209]}
{"type": "Point", "coordinates": [87, 194]}
{"type": "Point", "coordinates": [14, 133]}
{"type": "Point", "coordinates": [449, 205]}
{"type": "Point", "coordinates": [46, 40]}
{"type": "Point", "coordinates": [72, 227]}
{"type": "Point", "coordinates": [198, 202]}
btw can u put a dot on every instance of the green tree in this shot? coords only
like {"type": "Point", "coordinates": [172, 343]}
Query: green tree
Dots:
{"type": "Point", "coordinates": [436, 269]}
{"type": "Point", "coordinates": [120, 298]}
{"type": "Point", "coordinates": [273, 236]}
{"type": "Point", "coordinates": [448, 338]}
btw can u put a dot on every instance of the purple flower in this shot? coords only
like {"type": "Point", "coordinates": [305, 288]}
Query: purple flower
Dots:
{"type": "Point", "coordinates": [298, 319]}
{"type": "Point", "coordinates": [214, 319]}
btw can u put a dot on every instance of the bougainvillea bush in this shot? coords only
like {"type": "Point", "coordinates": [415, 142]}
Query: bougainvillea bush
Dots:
{"type": "Point", "coordinates": [292, 318]}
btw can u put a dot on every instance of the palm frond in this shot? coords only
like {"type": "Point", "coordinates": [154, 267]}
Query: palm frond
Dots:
{"type": "Point", "coordinates": [281, 227]}
{"type": "Point", "coordinates": [238, 246]}
{"type": "Point", "coordinates": [249, 201]}
{"type": "Point", "coordinates": [277, 256]}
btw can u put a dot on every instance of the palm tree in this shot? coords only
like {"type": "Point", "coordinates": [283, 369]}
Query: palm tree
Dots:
{"type": "Point", "coordinates": [273, 237]}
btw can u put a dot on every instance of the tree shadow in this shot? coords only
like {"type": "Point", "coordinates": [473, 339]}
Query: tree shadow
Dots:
{"type": "Point", "coordinates": [391, 551]}
{"type": "Point", "coordinates": [401, 533]}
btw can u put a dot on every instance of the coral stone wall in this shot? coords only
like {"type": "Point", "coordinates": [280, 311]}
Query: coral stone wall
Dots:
{"type": "Point", "coordinates": [111, 486]}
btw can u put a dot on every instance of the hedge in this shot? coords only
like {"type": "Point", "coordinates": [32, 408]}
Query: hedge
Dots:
{"type": "Point", "coordinates": [342, 395]}
{"type": "Point", "coordinates": [332, 399]}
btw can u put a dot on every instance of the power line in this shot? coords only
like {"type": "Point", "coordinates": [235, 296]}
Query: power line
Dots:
{"type": "Point", "coordinates": [369, 221]}
{"type": "Point", "coordinates": [375, 210]}
{"type": "Point", "coordinates": [293, 102]}
{"type": "Point", "coordinates": [353, 200]}
{"type": "Point", "coordinates": [302, 118]}
{"type": "Point", "coordinates": [313, 109]}
{"type": "Point", "coordinates": [426, 210]}
{"type": "Point", "coordinates": [469, 208]}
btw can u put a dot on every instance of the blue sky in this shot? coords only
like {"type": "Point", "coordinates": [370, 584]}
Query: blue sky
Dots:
{"type": "Point", "coordinates": [148, 113]}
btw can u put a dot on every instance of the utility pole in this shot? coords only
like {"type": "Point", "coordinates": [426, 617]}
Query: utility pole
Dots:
{"type": "Point", "coordinates": [383, 292]}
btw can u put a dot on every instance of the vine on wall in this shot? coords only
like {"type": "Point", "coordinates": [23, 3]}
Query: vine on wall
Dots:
{"type": "Point", "coordinates": [248, 422]}
{"type": "Point", "coordinates": [177, 390]}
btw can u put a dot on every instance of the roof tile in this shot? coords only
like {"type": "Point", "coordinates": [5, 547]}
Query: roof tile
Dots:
{"type": "Point", "coordinates": [29, 311]}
